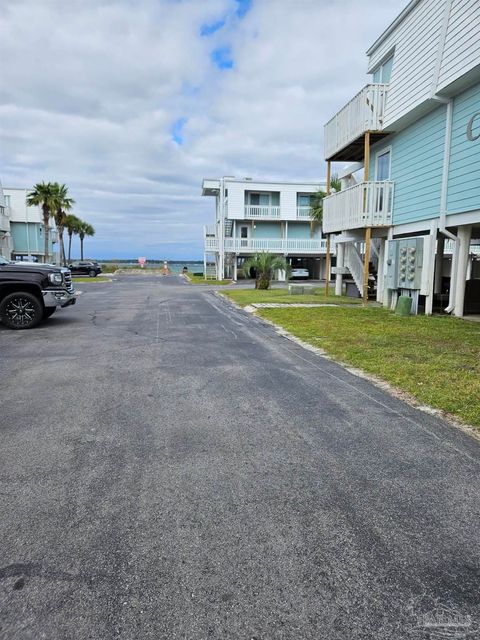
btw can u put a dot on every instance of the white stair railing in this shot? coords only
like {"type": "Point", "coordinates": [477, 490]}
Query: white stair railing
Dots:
{"type": "Point", "coordinates": [354, 263]}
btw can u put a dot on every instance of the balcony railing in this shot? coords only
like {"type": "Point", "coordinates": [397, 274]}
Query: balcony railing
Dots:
{"type": "Point", "coordinates": [367, 204]}
{"type": "Point", "coordinates": [363, 113]}
{"type": "Point", "coordinates": [210, 244]}
{"type": "Point", "coordinates": [274, 245]}
{"type": "Point", "coordinates": [304, 212]}
{"type": "Point", "coordinates": [449, 247]}
{"type": "Point", "coordinates": [257, 212]}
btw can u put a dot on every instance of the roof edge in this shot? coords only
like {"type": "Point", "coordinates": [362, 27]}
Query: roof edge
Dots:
{"type": "Point", "coordinates": [410, 6]}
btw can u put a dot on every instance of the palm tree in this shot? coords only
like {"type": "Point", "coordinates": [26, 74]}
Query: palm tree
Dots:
{"type": "Point", "coordinates": [316, 201]}
{"type": "Point", "coordinates": [72, 225]}
{"type": "Point", "coordinates": [43, 195]}
{"type": "Point", "coordinates": [84, 229]}
{"type": "Point", "coordinates": [265, 264]}
{"type": "Point", "coordinates": [63, 203]}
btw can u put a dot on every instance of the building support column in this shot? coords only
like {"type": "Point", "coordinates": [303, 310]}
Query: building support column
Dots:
{"type": "Point", "coordinates": [431, 261]}
{"type": "Point", "coordinates": [340, 251]}
{"type": "Point", "coordinates": [381, 270]}
{"type": "Point", "coordinates": [439, 263]}
{"type": "Point", "coordinates": [366, 264]}
{"type": "Point", "coordinates": [205, 265]}
{"type": "Point", "coordinates": [386, 291]}
{"type": "Point", "coordinates": [235, 260]}
{"type": "Point", "coordinates": [327, 267]}
{"type": "Point", "coordinates": [464, 236]}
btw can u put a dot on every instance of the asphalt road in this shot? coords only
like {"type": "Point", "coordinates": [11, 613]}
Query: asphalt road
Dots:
{"type": "Point", "coordinates": [171, 468]}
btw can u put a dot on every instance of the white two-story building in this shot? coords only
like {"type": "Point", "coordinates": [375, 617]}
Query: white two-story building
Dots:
{"type": "Point", "coordinates": [409, 208]}
{"type": "Point", "coordinates": [252, 216]}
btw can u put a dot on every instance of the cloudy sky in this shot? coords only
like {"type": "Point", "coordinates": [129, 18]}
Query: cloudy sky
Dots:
{"type": "Point", "coordinates": [132, 102]}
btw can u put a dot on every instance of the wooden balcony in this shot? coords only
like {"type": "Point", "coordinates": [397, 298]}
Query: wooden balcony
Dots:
{"type": "Point", "coordinates": [344, 133]}
{"type": "Point", "coordinates": [367, 204]}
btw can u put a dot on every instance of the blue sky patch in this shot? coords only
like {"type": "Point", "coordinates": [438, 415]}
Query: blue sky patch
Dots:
{"type": "Point", "coordinates": [243, 7]}
{"type": "Point", "coordinates": [222, 57]}
{"type": "Point", "coordinates": [177, 130]}
{"type": "Point", "coordinates": [209, 29]}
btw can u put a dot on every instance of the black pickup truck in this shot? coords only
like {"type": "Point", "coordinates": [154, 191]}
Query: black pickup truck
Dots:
{"type": "Point", "coordinates": [31, 292]}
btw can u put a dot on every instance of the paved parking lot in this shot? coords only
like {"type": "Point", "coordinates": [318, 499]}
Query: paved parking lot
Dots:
{"type": "Point", "coordinates": [172, 468]}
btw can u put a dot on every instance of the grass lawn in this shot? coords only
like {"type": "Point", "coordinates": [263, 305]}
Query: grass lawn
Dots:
{"type": "Point", "coordinates": [201, 280]}
{"type": "Point", "coordinates": [244, 297]}
{"type": "Point", "coordinates": [436, 359]}
{"type": "Point", "coordinates": [87, 279]}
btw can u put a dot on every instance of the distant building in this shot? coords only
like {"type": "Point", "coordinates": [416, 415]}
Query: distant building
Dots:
{"type": "Point", "coordinates": [27, 228]}
{"type": "Point", "coordinates": [252, 216]}
{"type": "Point", "coordinates": [409, 209]}
{"type": "Point", "coordinates": [5, 236]}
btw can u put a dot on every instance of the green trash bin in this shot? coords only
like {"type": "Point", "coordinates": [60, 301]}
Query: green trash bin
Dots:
{"type": "Point", "coordinates": [404, 306]}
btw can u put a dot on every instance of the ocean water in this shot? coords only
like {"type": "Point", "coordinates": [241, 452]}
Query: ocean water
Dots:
{"type": "Point", "coordinates": [175, 267]}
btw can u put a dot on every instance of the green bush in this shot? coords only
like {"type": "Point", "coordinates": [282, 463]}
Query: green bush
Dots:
{"type": "Point", "coordinates": [109, 268]}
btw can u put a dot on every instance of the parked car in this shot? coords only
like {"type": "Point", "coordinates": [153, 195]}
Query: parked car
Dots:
{"type": "Point", "coordinates": [85, 268]}
{"type": "Point", "coordinates": [300, 273]}
{"type": "Point", "coordinates": [30, 293]}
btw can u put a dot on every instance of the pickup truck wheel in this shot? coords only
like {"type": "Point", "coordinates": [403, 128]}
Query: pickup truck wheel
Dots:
{"type": "Point", "coordinates": [48, 311]}
{"type": "Point", "coordinates": [21, 310]}
{"type": "Point", "coordinates": [92, 274]}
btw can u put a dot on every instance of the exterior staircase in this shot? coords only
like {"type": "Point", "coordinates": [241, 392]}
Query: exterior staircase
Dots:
{"type": "Point", "coordinates": [354, 257]}
{"type": "Point", "coordinates": [354, 263]}
{"type": "Point", "coordinates": [228, 227]}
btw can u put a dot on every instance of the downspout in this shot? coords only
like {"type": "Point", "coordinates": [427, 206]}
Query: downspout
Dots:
{"type": "Point", "coordinates": [446, 154]}
{"type": "Point", "coordinates": [444, 202]}
{"type": "Point", "coordinates": [446, 165]}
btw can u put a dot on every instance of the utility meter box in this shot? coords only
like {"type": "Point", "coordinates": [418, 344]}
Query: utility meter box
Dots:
{"type": "Point", "coordinates": [391, 270]}
{"type": "Point", "coordinates": [405, 263]}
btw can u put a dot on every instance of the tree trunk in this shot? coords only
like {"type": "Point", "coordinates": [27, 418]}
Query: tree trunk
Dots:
{"type": "Point", "coordinates": [262, 283]}
{"type": "Point", "coordinates": [81, 248]}
{"type": "Point", "coordinates": [69, 247]}
{"type": "Point", "coordinates": [46, 229]}
{"type": "Point", "coordinates": [61, 245]}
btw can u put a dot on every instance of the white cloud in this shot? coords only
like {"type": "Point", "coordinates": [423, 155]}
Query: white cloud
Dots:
{"type": "Point", "coordinates": [90, 91]}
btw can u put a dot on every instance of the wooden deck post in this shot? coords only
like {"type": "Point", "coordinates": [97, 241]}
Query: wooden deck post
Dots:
{"type": "Point", "coordinates": [368, 230]}
{"type": "Point", "coordinates": [366, 166]}
{"type": "Point", "coordinates": [368, 237]}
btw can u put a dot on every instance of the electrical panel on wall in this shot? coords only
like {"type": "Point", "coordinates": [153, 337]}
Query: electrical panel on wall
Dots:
{"type": "Point", "coordinates": [392, 259]}
{"type": "Point", "coordinates": [405, 263]}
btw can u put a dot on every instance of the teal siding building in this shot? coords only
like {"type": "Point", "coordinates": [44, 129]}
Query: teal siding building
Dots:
{"type": "Point", "coordinates": [28, 238]}
{"type": "Point", "coordinates": [416, 164]}
{"type": "Point", "coordinates": [464, 165]}
{"type": "Point", "coordinates": [408, 215]}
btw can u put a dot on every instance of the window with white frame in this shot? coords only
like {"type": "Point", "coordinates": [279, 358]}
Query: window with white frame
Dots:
{"type": "Point", "coordinates": [383, 164]}
{"type": "Point", "coordinates": [384, 71]}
